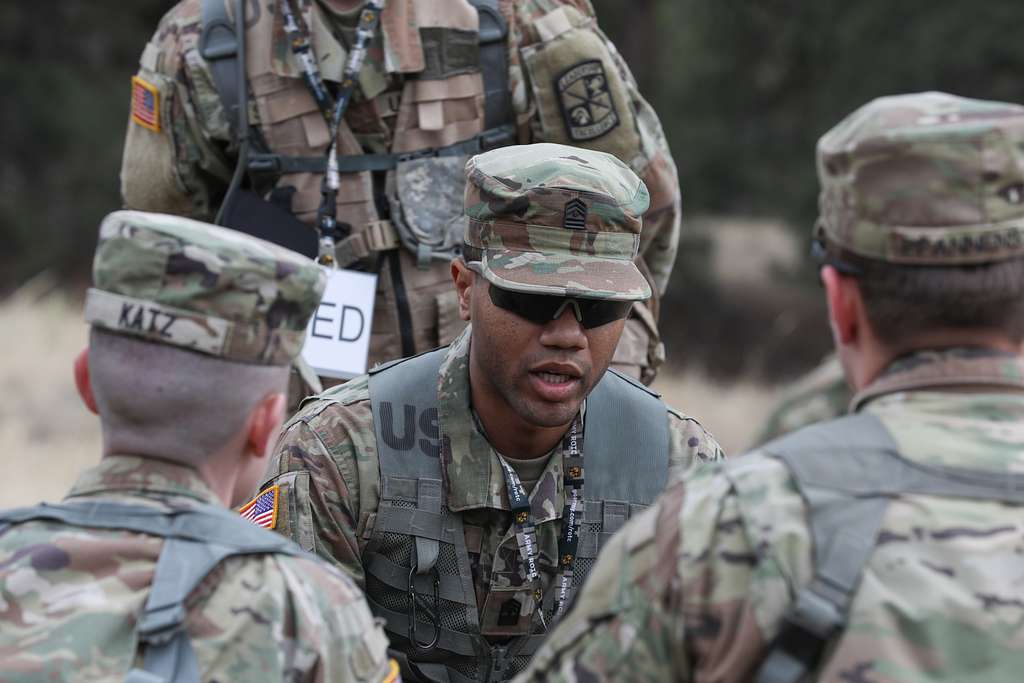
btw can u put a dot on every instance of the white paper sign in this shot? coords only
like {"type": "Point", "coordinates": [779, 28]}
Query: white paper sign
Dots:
{"type": "Point", "coordinates": [338, 334]}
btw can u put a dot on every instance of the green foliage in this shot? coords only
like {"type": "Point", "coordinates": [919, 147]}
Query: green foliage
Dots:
{"type": "Point", "coordinates": [746, 88]}
{"type": "Point", "coordinates": [65, 69]}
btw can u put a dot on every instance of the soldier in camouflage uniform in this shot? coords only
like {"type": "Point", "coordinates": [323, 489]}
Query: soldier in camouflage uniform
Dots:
{"type": "Point", "coordinates": [409, 477]}
{"type": "Point", "coordinates": [429, 90]}
{"type": "Point", "coordinates": [184, 315]}
{"type": "Point", "coordinates": [822, 394]}
{"type": "Point", "coordinates": [889, 539]}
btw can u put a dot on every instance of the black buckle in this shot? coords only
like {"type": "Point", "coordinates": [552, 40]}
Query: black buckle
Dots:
{"type": "Point", "coordinates": [264, 163]}
{"type": "Point", "coordinates": [218, 40]}
{"type": "Point", "coordinates": [432, 612]}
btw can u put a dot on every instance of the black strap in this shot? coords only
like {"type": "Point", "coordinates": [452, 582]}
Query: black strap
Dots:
{"type": "Point", "coordinates": [355, 163]}
{"type": "Point", "coordinates": [219, 45]}
{"type": "Point", "coordinates": [847, 471]}
{"type": "Point", "coordinates": [494, 64]}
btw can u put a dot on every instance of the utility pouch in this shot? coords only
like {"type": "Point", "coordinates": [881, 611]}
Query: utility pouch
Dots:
{"type": "Point", "coordinates": [426, 197]}
{"type": "Point", "coordinates": [581, 96]}
{"type": "Point", "coordinates": [247, 212]}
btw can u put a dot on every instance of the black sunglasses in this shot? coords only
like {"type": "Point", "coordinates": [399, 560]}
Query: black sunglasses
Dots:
{"type": "Point", "coordinates": [542, 308]}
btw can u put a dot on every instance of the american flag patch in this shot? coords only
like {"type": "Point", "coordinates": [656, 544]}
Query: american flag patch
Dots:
{"type": "Point", "coordinates": [262, 510]}
{"type": "Point", "coordinates": [145, 104]}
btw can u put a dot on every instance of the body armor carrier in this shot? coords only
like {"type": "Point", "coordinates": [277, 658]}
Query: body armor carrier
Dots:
{"type": "Point", "coordinates": [418, 567]}
{"type": "Point", "coordinates": [847, 471]}
{"type": "Point", "coordinates": [196, 540]}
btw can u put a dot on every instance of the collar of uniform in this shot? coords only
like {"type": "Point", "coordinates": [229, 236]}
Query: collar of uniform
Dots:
{"type": "Point", "coordinates": [963, 369]}
{"type": "Point", "coordinates": [134, 474]}
{"type": "Point", "coordinates": [473, 475]}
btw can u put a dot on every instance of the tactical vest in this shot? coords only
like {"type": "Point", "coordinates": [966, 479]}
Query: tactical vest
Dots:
{"type": "Point", "coordinates": [418, 568]}
{"type": "Point", "coordinates": [195, 541]}
{"type": "Point", "coordinates": [847, 471]}
{"type": "Point", "coordinates": [455, 105]}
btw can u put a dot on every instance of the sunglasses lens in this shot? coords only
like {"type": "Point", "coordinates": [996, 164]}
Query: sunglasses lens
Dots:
{"type": "Point", "coordinates": [540, 308]}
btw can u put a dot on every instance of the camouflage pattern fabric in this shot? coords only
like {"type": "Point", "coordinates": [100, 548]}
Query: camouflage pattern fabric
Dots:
{"type": "Point", "coordinates": [553, 219]}
{"type": "Point", "coordinates": [423, 65]}
{"type": "Point", "coordinates": [822, 394]}
{"type": "Point", "coordinates": [928, 178]}
{"type": "Point", "coordinates": [69, 597]}
{"type": "Point", "coordinates": [326, 464]}
{"type": "Point", "coordinates": [695, 588]}
{"type": "Point", "coordinates": [177, 281]}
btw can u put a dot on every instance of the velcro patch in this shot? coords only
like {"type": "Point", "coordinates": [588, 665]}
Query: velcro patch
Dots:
{"type": "Point", "coordinates": [586, 101]}
{"type": "Point", "coordinates": [145, 104]}
{"type": "Point", "coordinates": [575, 215]}
{"type": "Point", "coordinates": [262, 510]}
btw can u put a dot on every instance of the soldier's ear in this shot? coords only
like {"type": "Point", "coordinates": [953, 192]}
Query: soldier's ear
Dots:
{"type": "Point", "coordinates": [463, 278]}
{"type": "Point", "coordinates": [82, 383]}
{"type": "Point", "coordinates": [844, 305]}
{"type": "Point", "coordinates": [265, 422]}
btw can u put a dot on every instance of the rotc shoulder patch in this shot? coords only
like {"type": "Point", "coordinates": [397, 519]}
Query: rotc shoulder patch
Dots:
{"type": "Point", "coordinates": [262, 510]}
{"type": "Point", "coordinates": [586, 101]}
{"type": "Point", "coordinates": [145, 104]}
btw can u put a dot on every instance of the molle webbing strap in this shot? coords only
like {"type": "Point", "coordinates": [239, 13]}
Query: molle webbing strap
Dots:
{"type": "Point", "coordinates": [847, 471]}
{"type": "Point", "coordinates": [626, 442]}
{"type": "Point", "coordinates": [218, 45]}
{"type": "Point", "coordinates": [196, 540]}
{"type": "Point", "coordinates": [494, 64]}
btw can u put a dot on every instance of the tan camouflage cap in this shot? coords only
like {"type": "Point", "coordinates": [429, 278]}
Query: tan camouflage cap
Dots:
{"type": "Point", "coordinates": [208, 289]}
{"type": "Point", "coordinates": [929, 179]}
{"type": "Point", "coordinates": [552, 219]}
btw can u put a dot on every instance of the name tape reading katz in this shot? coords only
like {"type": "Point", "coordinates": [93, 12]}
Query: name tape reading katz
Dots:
{"type": "Point", "coordinates": [338, 335]}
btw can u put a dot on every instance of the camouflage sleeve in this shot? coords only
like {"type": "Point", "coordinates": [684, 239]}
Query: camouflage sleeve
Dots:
{"type": "Point", "coordinates": [689, 443]}
{"type": "Point", "coordinates": [570, 85]}
{"type": "Point", "coordinates": [667, 599]}
{"type": "Point", "coordinates": [178, 151]}
{"type": "Point", "coordinates": [315, 467]}
{"type": "Point", "coordinates": [285, 618]}
{"type": "Point", "coordinates": [335, 625]}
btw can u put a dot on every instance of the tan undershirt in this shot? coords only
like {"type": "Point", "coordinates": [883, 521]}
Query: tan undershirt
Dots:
{"type": "Point", "coordinates": [529, 470]}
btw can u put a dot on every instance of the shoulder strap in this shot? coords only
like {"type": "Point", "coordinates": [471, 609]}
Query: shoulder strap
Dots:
{"type": "Point", "coordinates": [403, 399]}
{"type": "Point", "coordinates": [196, 540]}
{"type": "Point", "coordinates": [626, 442]}
{"type": "Point", "coordinates": [219, 45]}
{"type": "Point", "coordinates": [847, 471]}
{"type": "Point", "coordinates": [494, 63]}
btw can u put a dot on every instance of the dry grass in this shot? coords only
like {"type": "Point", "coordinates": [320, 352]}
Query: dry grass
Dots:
{"type": "Point", "coordinates": [46, 434]}
{"type": "Point", "coordinates": [733, 413]}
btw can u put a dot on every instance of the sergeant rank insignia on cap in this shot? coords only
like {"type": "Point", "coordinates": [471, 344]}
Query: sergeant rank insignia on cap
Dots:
{"type": "Point", "coordinates": [145, 104]}
{"type": "Point", "coordinates": [586, 101]}
{"type": "Point", "coordinates": [262, 510]}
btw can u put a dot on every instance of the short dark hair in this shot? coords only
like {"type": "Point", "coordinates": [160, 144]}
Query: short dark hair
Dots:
{"type": "Point", "coordinates": [905, 301]}
{"type": "Point", "coordinates": [470, 254]}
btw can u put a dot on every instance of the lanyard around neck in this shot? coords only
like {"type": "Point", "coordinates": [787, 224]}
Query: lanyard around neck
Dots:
{"type": "Point", "coordinates": [333, 112]}
{"type": "Point", "coordinates": [526, 530]}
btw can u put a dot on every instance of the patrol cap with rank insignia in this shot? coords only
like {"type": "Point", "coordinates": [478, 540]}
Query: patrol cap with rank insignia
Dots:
{"type": "Point", "coordinates": [559, 220]}
{"type": "Point", "coordinates": [924, 179]}
{"type": "Point", "coordinates": [200, 287]}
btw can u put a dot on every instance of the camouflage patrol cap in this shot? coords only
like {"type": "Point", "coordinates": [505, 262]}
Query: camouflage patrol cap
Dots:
{"type": "Point", "coordinates": [208, 289]}
{"type": "Point", "coordinates": [552, 219]}
{"type": "Point", "coordinates": [927, 179]}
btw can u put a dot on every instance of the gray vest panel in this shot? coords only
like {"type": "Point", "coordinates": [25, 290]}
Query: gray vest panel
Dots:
{"type": "Point", "coordinates": [418, 569]}
{"type": "Point", "coordinates": [196, 540]}
{"type": "Point", "coordinates": [847, 471]}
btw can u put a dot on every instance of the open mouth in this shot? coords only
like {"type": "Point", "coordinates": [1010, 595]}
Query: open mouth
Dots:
{"type": "Point", "coordinates": [554, 377]}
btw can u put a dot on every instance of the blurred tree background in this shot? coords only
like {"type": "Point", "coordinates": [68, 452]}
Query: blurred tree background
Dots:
{"type": "Point", "coordinates": [743, 89]}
